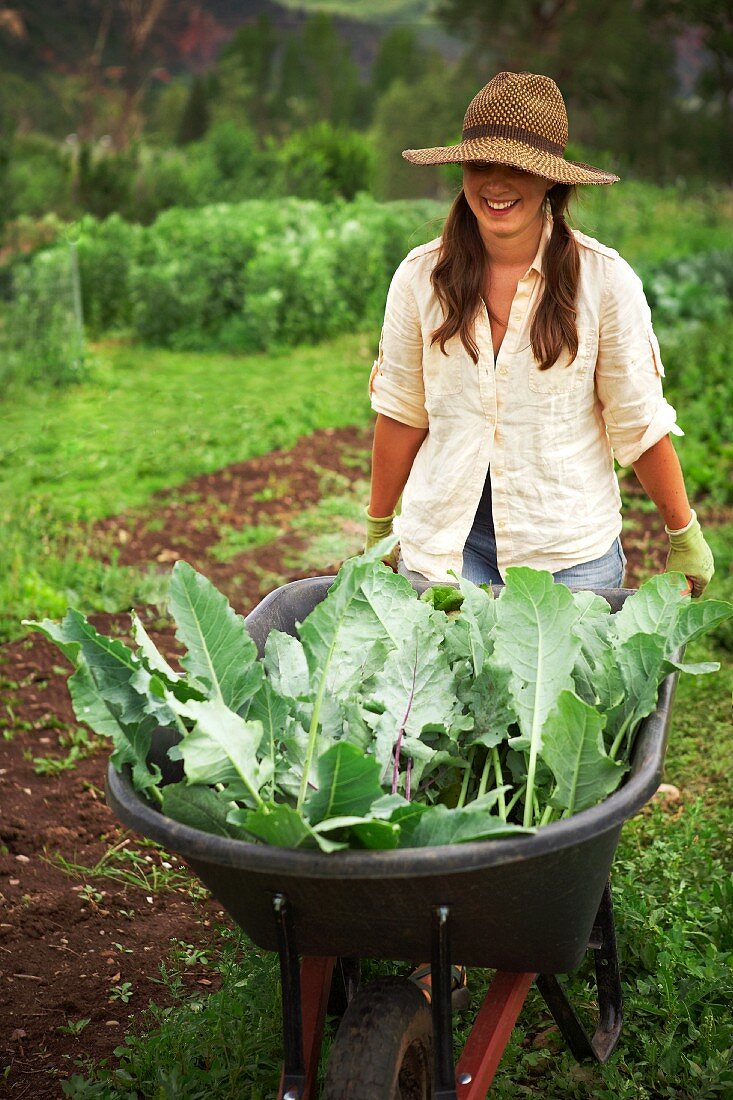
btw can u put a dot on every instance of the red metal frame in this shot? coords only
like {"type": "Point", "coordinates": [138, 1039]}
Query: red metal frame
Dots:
{"type": "Point", "coordinates": [490, 1033]}
{"type": "Point", "coordinates": [315, 985]}
{"type": "Point", "coordinates": [481, 1054]}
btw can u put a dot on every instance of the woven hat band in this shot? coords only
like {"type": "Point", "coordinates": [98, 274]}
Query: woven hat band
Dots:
{"type": "Point", "coordinates": [513, 133]}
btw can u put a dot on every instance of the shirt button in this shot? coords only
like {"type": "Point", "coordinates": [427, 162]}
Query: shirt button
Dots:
{"type": "Point", "coordinates": [499, 473]}
{"type": "Point", "coordinates": [502, 524]}
{"type": "Point", "coordinates": [503, 370]}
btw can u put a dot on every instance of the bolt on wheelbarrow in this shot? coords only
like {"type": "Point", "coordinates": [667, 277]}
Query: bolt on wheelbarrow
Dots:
{"type": "Point", "coordinates": [528, 907]}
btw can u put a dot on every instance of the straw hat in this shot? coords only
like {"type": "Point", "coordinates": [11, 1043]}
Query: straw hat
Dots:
{"type": "Point", "coordinates": [517, 119]}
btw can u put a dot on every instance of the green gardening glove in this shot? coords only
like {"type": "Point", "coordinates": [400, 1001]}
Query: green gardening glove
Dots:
{"type": "Point", "coordinates": [691, 555]}
{"type": "Point", "coordinates": [378, 529]}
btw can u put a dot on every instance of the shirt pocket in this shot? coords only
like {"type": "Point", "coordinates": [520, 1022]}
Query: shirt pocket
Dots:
{"type": "Point", "coordinates": [565, 376]}
{"type": "Point", "coordinates": [443, 373]}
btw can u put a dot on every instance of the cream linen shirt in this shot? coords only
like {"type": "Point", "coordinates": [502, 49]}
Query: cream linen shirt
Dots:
{"type": "Point", "coordinates": [548, 436]}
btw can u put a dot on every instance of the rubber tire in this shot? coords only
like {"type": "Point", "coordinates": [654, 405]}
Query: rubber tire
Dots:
{"type": "Point", "coordinates": [383, 1049]}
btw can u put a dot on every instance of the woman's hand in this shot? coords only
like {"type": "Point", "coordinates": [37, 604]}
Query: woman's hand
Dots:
{"type": "Point", "coordinates": [690, 554]}
{"type": "Point", "coordinates": [378, 529]}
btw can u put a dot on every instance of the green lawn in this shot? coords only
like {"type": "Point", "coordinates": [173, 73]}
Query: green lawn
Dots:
{"type": "Point", "coordinates": [148, 419]}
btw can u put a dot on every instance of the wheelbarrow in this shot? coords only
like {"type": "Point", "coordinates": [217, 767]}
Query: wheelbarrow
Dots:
{"type": "Point", "coordinates": [528, 907]}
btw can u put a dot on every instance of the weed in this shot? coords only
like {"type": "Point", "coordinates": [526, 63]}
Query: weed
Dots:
{"type": "Point", "coordinates": [150, 873]}
{"type": "Point", "coordinates": [275, 489]}
{"type": "Point", "coordinates": [79, 745]}
{"type": "Point", "coordinates": [88, 893]}
{"type": "Point", "coordinates": [74, 1027]}
{"type": "Point", "coordinates": [121, 992]}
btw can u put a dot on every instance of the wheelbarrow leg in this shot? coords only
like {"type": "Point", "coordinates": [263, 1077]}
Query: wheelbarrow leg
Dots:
{"type": "Point", "coordinates": [305, 992]}
{"type": "Point", "coordinates": [490, 1033]}
{"type": "Point", "coordinates": [440, 964]}
{"type": "Point", "coordinates": [610, 999]}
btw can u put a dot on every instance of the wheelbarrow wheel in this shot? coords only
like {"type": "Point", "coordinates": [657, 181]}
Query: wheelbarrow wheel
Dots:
{"type": "Point", "coordinates": [383, 1047]}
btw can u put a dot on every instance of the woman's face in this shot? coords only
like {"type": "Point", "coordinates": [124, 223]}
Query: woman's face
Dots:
{"type": "Point", "coordinates": [488, 187]}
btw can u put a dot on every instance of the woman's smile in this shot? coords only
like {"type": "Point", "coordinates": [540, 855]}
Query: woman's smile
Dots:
{"type": "Point", "coordinates": [500, 208]}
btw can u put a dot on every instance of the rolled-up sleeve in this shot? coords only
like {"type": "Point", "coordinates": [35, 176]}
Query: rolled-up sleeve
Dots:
{"type": "Point", "coordinates": [629, 370]}
{"type": "Point", "coordinates": [396, 383]}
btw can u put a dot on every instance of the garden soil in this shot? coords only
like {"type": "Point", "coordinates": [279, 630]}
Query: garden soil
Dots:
{"type": "Point", "coordinates": [76, 946]}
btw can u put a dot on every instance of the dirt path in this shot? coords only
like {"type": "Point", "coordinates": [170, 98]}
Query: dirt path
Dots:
{"type": "Point", "coordinates": [77, 946]}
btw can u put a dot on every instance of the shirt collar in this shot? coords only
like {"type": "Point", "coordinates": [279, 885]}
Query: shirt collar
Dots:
{"type": "Point", "coordinates": [536, 264]}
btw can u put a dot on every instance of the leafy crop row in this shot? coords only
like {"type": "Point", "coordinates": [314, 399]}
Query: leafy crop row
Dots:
{"type": "Point", "coordinates": [246, 276]}
{"type": "Point", "coordinates": [390, 720]}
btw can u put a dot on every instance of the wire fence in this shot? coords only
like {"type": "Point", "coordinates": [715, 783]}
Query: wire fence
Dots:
{"type": "Point", "coordinates": [42, 321]}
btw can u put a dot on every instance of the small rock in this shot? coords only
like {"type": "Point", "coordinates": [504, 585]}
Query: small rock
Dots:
{"type": "Point", "coordinates": [669, 791]}
{"type": "Point", "coordinates": [14, 881]}
{"type": "Point", "coordinates": [17, 1035]}
{"type": "Point", "coordinates": [111, 1023]}
{"type": "Point", "coordinates": [22, 859]}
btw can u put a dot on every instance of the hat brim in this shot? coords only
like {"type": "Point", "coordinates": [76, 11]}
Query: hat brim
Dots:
{"type": "Point", "coordinates": [516, 154]}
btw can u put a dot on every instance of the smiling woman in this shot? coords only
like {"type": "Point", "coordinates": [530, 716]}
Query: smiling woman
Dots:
{"type": "Point", "coordinates": [542, 336]}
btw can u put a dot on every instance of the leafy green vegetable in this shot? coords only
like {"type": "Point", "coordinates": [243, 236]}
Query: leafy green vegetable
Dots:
{"type": "Point", "coordinates": [221, 655]}
{"type": "Point", "coordinates": [389, 721]}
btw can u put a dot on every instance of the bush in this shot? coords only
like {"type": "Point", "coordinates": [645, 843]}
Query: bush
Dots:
{"type": "Point", "coordinates": [255, 275]}
{"type": "Point", "coordinates": [37, 177]}
{"type": "Point", "coordinates": [325, 163]}
{"type": "Point", "coordinates": [106, 250]}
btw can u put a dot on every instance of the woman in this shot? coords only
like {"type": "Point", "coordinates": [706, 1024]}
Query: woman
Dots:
{"type": "Point", "coordinates": [517, 358]}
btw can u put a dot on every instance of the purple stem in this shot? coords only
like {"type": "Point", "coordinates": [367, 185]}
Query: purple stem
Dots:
{"type": "Point", "coordinates": [407, 779]}
{"type": "Point", "coordinates": [398, 743]}
{"type": "Point", "coordinates": [396, 765]}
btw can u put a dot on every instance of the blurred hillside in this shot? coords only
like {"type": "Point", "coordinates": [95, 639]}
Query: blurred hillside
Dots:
{"type": "Point", "coordinates": [131, 107]}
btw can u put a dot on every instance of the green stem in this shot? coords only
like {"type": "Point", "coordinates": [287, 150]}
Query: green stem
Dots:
{"type": "Point", "coordinates": [484, 777]}
{"type": "Point", "coordinates": [157, 794]}
{"type": "Point", "coordinates": [535, 807]}
{"type": "Point", "coordinates": [515, 798]}
{"type": "Point", "coordinates": [181, 725]}
{"type": "Point", "coordinates": [313, 731]}
{"type": "Point", "coordinates": [547, 815]}
{"type": "Point", "coordinates": [466, 778]}
{"type": "Point", "coordinates": [619, 737]}
{"type": "Point", "coordinates": [534, 746]}
{"type": "Point", "coordinates": [499, 776]}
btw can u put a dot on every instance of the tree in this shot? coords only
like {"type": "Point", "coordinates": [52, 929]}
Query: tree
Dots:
{"type": "Point", "coordinates": [196, 115]}
{"type": "Point", "coordinates": [712, 24]}
{"type": "Point", "coordinates": [318, 80]}
{"type": "Point", "coordinates": [245, 75]}
{"type": "Point", "coordinates": [614, 66]}
{"type": "Point", "coordinates": [399, 57]}
{"type": "Point", "coordinates": [141, 16]}
{"type": "Point", "coordinates": [418, 115]}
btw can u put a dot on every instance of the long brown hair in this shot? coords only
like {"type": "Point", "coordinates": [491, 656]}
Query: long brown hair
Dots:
{"type": "Point", "coordinates": [458, 280]}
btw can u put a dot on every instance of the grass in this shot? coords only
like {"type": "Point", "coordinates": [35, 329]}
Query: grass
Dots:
{"type": "Point", "coordinates": [148, 420]}
{"type": "Point", "coordinates": [238, 540]}
{"type": "Point", "coordinates": [150, 869]}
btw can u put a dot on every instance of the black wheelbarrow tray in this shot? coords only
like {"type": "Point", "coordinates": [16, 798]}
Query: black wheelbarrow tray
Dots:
{"type": "Point", "coordinates": [529, 907]}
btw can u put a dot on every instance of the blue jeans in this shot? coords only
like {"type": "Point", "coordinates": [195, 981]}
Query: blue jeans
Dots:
{"type": "Point", "coordinates": [479, 565]}
{"type": "Point", "coordinates": [479, 557]}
